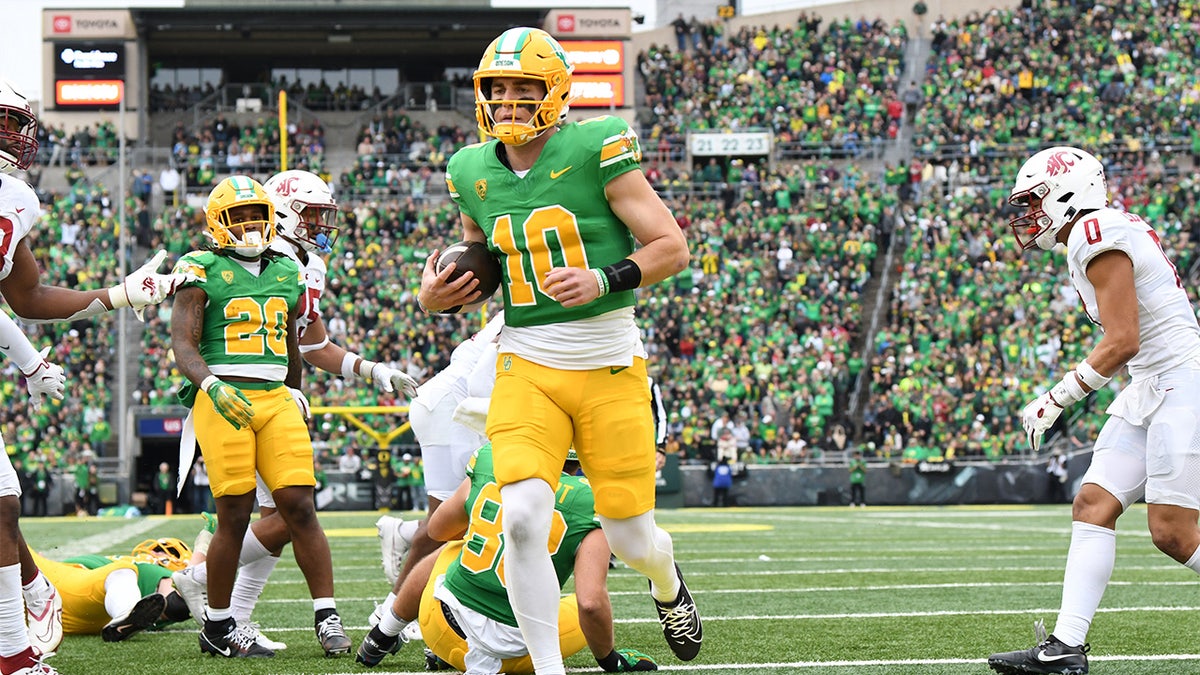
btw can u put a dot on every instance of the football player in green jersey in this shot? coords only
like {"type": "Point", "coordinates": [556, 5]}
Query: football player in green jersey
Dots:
{"type": "Point", "coordinates": [121, 595]}
{"type": "Point", "coordinates": [235, 339]}
{"type": "Point", "coordinates": [562, 207]}
{"type": "Point", "coordinates": [458, 593]}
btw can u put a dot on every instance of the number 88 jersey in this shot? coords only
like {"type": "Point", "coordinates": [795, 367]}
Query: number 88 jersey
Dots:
{"type": "Point", "coordinates": [477, 576]}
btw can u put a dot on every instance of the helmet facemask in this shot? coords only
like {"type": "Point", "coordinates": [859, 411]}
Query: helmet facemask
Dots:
{"type": "Point", "coordinates": [527, 54]}
{"type": "Point", "coordinates": [305, 211]}
{"type": "Point", "coordinates": [240, 218]}
{"type": "Point", "coordinates": [248, 229]}
{"type": "Point", "coordinates": [18, 139]}
{"type": "Point", "coordinates": [1054, 186]}
{"type": "Point", "coordinates": [1035, 225]}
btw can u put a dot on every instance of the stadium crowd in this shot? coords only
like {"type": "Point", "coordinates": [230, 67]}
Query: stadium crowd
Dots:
{"type": "Point", "coordinates": [781, 255]}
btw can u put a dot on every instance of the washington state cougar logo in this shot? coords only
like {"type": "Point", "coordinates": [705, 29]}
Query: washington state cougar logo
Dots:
{"type": "Point", "coordinates": [287, 187]}
{"type": "Point", "coordinates": [1060, 162]}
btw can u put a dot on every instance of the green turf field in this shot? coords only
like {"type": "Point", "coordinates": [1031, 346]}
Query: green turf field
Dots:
{"type": "Point", "coordinates": [829, 591]}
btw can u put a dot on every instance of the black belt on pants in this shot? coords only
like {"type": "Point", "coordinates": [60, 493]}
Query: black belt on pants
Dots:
{"type": "Point", "coordinates": [451, 621]}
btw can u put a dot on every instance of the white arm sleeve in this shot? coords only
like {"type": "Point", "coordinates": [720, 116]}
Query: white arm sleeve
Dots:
{"type": "Point", "coordinates": [16, 346]}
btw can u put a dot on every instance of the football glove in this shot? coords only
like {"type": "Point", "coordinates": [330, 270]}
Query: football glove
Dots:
{"type": "Point", "coordinates": [301, 402]}
{"type": "Point", "coordinates": [1038, 417]}
{"type": "Point", "coordinates": [388, 379]}
{"type": "Point", "coordinates": [146, 286]}
{"type": "Point", "coordinates": [625, 661]}
{"type": "Point", "coordinates": [45, 380]}
{"type": "Point", "coordinates": [230, 403]}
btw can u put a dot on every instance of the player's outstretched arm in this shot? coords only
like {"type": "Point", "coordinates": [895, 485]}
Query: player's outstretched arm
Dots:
{"type": "Point", "coordinates": [320, 351]}
{"type": "Point", "coordinates": [34, 301]}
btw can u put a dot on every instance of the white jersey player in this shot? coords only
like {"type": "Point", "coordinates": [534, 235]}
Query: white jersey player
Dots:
{"type": "Point", "coordinates": [23, 290]}
{"type": "Point", "coordinates": [448, 417]}
{"type": "Point", "coordinates": [1147, 447]}
{"type": "Point", "coordinates": [306, 222]}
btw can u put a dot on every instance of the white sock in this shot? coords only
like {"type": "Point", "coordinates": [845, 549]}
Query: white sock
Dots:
{"type": "Point", "coordinates": [391, 624]}
{"type": "Point", "coordinates": [200, 572]}
{"type": "Point", "coordinates": [251, 578]}
{"type": "Point", "coordinates": [1089, 567]}
{"type": "Point", "coordinates": [252, 548]}
{"type": "Point", "coordinates": [1193, 562]}
{"type": "Point", "coordinates": [407, 529]}
{"type": "Point", "coordinates": [646, 548]}
{"type": "Point", "coordinates": [37, 592]}
{"type": "Point", "coordinates": [532, 584]}
{"type": "Point", "coordinates": [323, 603]}
{"type": "Point", "coordinates": [13, 637]}
{"type": "Point", "coordinates": [121, 593]}
{"type": "Point", "coordinates": [217, 615]}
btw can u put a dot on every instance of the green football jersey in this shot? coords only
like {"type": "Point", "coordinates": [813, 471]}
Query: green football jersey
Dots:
{"type": "Point", "coordinates": [476, 577]}
{"type": "Point", "coordinates": [556, 216]}
{"type": "Point", "coordinates": [246, 318]}
{"type": "Point", "coordinates": [148, 574]}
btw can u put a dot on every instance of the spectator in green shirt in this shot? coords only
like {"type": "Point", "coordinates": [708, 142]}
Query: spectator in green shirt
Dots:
{"type": "Point", "coordinates": [858, 477]}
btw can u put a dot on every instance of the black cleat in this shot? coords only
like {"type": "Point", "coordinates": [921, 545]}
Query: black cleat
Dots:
{"type": "Point", "coordinates": [375, 646]}
{"type": "Point", "coordinates": [1049, 657]}
{"type": "Point", "coordinates": [331, 635]}
{"type": "Point", "coordinates": [141, 616]}
{"type": "Point", "coordinates": [681, 623]}
{"type": "Point", "coordinates": [229, 639]}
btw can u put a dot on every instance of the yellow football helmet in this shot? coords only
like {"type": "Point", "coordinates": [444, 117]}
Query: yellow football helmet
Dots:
{"type": "Point", "coordinates": [529, 53]}
{"type": "Point", "coordinates": [169, 552]}
{"type": "Point", "coordinates": [239, 217]}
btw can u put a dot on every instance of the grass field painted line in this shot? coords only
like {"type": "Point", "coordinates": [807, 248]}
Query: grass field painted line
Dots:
{"type": "Point", "coordinates": [134, 529]}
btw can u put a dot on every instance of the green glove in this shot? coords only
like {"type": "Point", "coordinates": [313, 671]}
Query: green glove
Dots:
{"type": "Point", "coordinates": [228, 401]}
{"type": "Point", "coordinates": [626, 660]}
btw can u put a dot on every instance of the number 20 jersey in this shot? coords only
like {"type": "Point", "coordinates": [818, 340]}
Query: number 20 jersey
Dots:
{"type": "Point", "coordinates": [557, 215]}
{"type": "Point", "coordinates": [1169, 333]}
{"type": "Point", "coordinates": [246, 316]}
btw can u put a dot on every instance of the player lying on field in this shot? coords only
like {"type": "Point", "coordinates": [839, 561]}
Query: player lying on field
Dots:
{"type": "Point", "coordinates": [118, 596]}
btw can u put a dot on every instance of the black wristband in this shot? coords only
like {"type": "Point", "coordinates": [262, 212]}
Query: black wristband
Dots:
{"type": "Point", "coordinates": [624, 275]}
{"type": "Point", "coordinates": [610, 663]}
{"type": "Point", "coordinates": [450, 310]}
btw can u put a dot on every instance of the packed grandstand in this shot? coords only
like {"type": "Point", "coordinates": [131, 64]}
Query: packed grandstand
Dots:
{"type": "Point", "coordinates": [857, 289]}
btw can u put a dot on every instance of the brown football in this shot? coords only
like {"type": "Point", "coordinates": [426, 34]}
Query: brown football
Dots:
{"type": "Point", "coordinates": [474, 257]}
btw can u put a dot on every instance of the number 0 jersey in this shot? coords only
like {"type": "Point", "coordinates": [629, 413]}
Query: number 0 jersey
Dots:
{"type": "Point", "coordinates": [1169, 333]}
{"type": "Point", "coordinates": [477, 577]}
{"type": "Point", "coordinates": [246, 316]}
{"type": "Point", "coordinates": [557, 215]}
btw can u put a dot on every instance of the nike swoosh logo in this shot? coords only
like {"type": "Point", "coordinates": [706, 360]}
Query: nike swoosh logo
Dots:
{"type": "Point", "coordinates": [223, 652]}
{"type": "Point", "coordinates": [20, 210]}
{"type": "Point", "coordinates": [614, 371]}
{"type": "Point", "coordinates": [283, 278]}
{"type": "Point", "coordinates": [556, 174]}
{"type": "Point", "coordinates": [1050, 659]}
